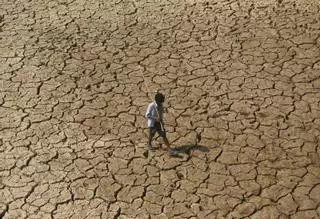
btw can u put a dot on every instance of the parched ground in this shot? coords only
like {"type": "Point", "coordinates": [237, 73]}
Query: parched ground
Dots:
{"type": "Point", "coordinates": [242, 83]}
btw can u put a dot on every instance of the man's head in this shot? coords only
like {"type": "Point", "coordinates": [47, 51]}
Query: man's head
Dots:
{"type": "Point", "coordinates": [159, 98]}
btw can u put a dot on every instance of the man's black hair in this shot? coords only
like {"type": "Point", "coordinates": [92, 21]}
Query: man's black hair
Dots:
{"type": "Point", "coordinates": [159, 98]}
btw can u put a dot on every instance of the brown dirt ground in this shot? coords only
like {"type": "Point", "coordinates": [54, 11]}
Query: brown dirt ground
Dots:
{"type": "Point", "coordinates": [242, 82]}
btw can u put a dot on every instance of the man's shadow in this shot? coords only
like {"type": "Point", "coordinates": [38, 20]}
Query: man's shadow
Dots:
{"type": "Point", "coordinates": [178, 152]}
{"type": "Point", "coordinates": [188, 149]}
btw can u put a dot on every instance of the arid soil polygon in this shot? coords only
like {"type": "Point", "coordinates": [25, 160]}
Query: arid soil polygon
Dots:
{"type": "Point", "coordinates": [242, 86]}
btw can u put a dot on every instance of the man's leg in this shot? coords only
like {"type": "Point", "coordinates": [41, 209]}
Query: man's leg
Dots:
{"type": "Point", "coordinates": [150, 137]}
{"type": "Point", "coordinates": [163, 134]}
{"type": "Point", "coordinates": [166, 141]}
{"type": "Point", "coordinates": [170, 150]}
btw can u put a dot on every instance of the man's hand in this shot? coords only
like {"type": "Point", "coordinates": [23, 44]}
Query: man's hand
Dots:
{"type": "Point", "coordinates": [157, 118]}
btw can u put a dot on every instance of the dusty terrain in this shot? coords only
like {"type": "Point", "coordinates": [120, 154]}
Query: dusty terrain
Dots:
{"type": "Point", "coordinates": [242, 82]}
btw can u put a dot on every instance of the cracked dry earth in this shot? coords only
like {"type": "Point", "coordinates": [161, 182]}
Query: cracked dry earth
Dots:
{"type": "Point", "coordinates": [241, 78]}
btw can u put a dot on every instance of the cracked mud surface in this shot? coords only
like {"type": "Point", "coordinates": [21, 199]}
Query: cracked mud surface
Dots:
{"type": "Point", "coordinates": [240, 77]}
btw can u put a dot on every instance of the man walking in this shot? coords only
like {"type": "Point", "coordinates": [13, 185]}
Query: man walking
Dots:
{"type": "Point", "coordinates": [154, 115]}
